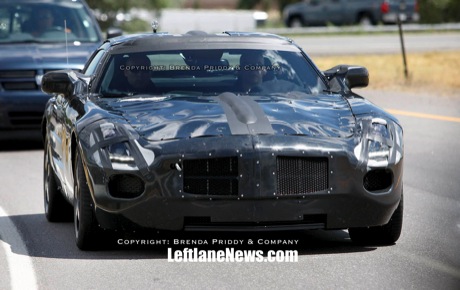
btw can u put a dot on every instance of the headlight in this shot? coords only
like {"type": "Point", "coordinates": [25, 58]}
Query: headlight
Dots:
{"type": "Point", "coordinates": [381, 142]}
{"type": "Point", "coordinates": [119, 153]}
{"type": "Point", "coordinates": [108, 130]}
{"type": "Point", "coordinates": [378, 143]}
{"type": "Point", "coordinates": [115, 145]}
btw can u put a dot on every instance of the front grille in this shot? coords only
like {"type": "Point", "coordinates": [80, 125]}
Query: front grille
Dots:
{"type": "Point", "coordinates": [216, 176]}
{"type": "Point", "coordinates": [125, 186]}
{"type": "Point", "coordinates": [14, 74]}
{"type": "Point", "coordinates": [379, 179]}
{"type": "Point", "coordinates": [19, 86]}
{"type": "Point", "coordinates": [297, 175]}
{"type": "Point", "coordinates": [20, 80]}
{"type": "Point", "coordinates": [49, 70]}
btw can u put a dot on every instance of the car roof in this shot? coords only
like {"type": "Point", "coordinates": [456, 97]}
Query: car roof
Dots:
{"type": "Point", "coordinates": [200, 40]}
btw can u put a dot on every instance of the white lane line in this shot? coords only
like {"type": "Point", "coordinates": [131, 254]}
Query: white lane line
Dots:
{"type": "Point", "coordinates": [22, 274]}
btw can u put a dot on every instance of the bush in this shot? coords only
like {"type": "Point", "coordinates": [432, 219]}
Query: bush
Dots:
{"type": "Point", "coordinates": [439, 11]}
{"type": "Point", "coordinates": [136, 25]}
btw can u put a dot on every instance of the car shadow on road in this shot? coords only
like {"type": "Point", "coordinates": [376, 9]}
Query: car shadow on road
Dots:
{"type": "Point", "coordinates": [56, 240]}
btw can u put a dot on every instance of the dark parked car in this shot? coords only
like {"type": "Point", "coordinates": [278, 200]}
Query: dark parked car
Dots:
{"type": "Point", "coordinates": [37, 36]}
{"type": "Point", "coordinates": [224, 131]}
{"type": "Point", "coordinates": [340, 12]}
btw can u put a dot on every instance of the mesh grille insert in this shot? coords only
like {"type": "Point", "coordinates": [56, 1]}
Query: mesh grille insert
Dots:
{"type": "Point", "coordinates": [216, 176]}
{"type": "Point", "coordinates": [297, 175]}
{"type": "Point", "coordinates": [125, 186]}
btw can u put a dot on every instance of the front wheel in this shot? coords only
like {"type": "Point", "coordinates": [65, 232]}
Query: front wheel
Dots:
{"type": "Point", "coordinates": [366, 20]}
{"type": "Point", "coordinates": [57, 209]}
{"type": "Point", "coordinates": [387, 234]}
{"type": "Point", "coordinates": [87, 231]}
{"type": "Point", "coordinates": [296, 22]}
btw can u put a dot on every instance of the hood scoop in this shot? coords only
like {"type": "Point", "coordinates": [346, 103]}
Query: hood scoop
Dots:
{"type": "Point", "coordinates": [244, 115]}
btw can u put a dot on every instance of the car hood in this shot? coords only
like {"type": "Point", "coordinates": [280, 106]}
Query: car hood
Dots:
{"type": "Point", "coordinates": [178, 117]}
{"type": "Point", "coordinates": [45, 55]}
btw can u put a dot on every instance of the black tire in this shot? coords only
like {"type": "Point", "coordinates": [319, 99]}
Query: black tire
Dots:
{"type": "Point", "coordinates": [88, 234]}
{"type": "Point", "coordinates": [57, 209]}
{"type": "Point", "coordinates": [296, 21]}
{"type": "Point", "coordinates": [381, 235]}
{"type": "Point", "coordinates": [365, 19]}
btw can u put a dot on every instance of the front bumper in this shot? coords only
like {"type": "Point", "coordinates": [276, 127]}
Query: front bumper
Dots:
{"type": "Point", "coordinates": [392, 17]}
{"type": "Point", "coordinates": [21, 111]}
{"type": "Point", "coordinates": [257, 202]}
{"type": "Point", "coordinates": [314, 212]}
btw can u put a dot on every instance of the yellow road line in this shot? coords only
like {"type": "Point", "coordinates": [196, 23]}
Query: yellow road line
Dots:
{"type": "Point", "coordinates": [422, 115]}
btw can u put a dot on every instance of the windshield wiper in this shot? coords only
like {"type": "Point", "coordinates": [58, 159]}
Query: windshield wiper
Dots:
{"type": "Point", "coordinates": [22, 41]}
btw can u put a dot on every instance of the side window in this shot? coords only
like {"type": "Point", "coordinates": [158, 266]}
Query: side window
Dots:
{"type": "Point", "coordinates": [92, 65]}
{"type": "Point", "coordinates": [108, 77]}
{"type": "Point", "coordinates": [4, 23]}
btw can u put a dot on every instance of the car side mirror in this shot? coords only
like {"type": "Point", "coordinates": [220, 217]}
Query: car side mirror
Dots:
{"type": "Point", "coordinates": [357, 77]}
{"type": "Point", "coordinates": [114, 32]}
{"type": "Point", "coordinates": [59, 82]}
{"type": "Point", "coordinates": [352, 76]}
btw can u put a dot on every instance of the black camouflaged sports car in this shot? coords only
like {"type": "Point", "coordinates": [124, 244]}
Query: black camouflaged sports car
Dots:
{"type": "Point", "coordinates": [231, 131]}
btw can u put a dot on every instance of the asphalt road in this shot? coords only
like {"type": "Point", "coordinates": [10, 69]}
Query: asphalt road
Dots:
{"type": "Point", "coordinates": [377, 43]}
{"type": "Point", "coordinates": [427, 256]}
{"type": "Point", "coordinates": [37, 254]}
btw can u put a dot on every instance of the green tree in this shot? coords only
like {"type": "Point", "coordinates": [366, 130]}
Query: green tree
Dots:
{"type": "Point", "coordinates": [438, 11]}
{"type": "Point", "coordinates": [452, 12]}
{"type": "Point", "coordinates": [112, 7]}
{"type": "Point", "coordinates": [265, 4]}
{"type": "Point", "coordinates": [125, 5]}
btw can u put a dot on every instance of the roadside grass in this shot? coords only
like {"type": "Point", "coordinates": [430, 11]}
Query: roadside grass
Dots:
{"type": "Point", "coordinates": [428, 71]}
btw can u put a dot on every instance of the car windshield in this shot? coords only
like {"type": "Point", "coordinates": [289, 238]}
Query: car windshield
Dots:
{"type": "Point", "coordinates": [209, 72]}
{"type": "Point", "coordinates": [40, 22]}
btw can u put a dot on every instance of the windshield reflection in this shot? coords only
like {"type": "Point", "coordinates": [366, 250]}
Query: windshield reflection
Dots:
{"type": "Point", "coordinates": [41, 23]}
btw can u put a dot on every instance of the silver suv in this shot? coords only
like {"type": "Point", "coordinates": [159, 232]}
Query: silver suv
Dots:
{"type": "Point", "coordinates": [37, 37]}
